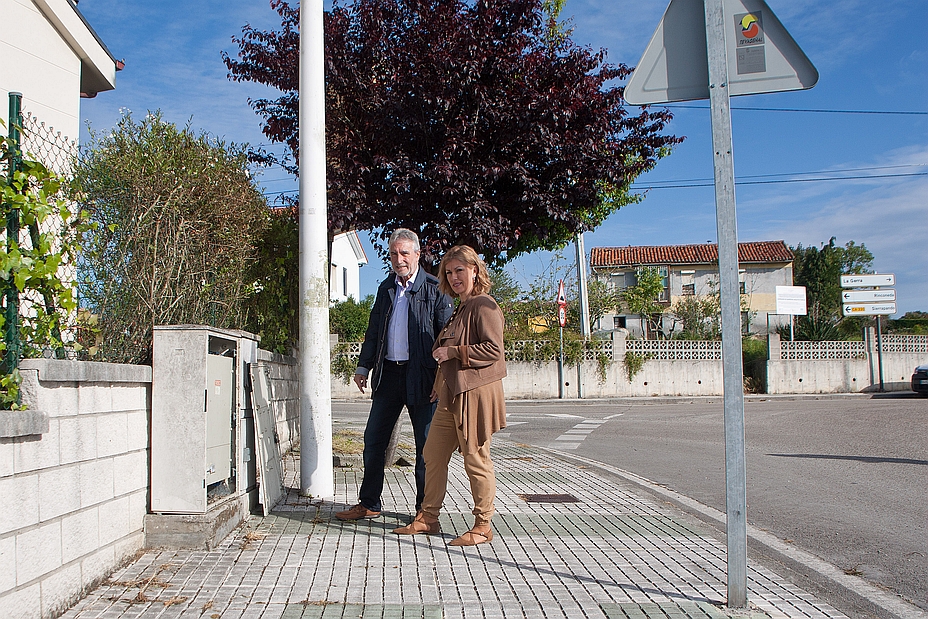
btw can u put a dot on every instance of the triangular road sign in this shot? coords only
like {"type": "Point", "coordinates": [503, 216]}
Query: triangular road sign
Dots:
{"type": "Point", "coordinates": [761, 54]}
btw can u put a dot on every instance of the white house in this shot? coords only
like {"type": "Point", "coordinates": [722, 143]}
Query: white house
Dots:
{"type": "Point", "coordinates": [347, 258]}
{"type": "Point", "coordinates": [692, 270]}
{"type": "Point", "coordinates": [52, 57]}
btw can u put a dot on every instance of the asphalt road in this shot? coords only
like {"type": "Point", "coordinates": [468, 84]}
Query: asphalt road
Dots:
{"type": "Point", "coordinates": [843, 479]}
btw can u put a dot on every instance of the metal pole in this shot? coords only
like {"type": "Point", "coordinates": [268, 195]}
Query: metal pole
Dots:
{"type": "Point", "coordinates": [560, 368]}
{"type": "Point", "coordinates": [584, 308]}
{"type": "Point", "coordinates": [726, 219]}
{"type": "Point", "coordinates": [316, 474]}
{"type": "Point", "coordinates": [11, 332]}
{"type": "Point", "coordinates": [879, 349]}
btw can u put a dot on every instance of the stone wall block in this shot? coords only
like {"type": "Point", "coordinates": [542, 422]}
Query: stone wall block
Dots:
{"type": "Point", "coordinates": [7, 563]}
{"type": "Point", "coordinates": [130, 473]}
{"type": "Point", "coordinates": [96, 482]}
{"type": "Point", "coordinates": [7, 456]}
{"type": "Point", "coordinates": [98, 565]}
{"type": "Point", "coordinates": [80, 534]}
{"type": "Point", "coordinates": [21, 502]}
{"type": "Point", "coordinates": [60, 590]}
{"type": "Point", "coordinates": [94, 398]}
{"type": "Point", "coordinates": [114, 520]}
{"type": "Point", "coordinates": [137, 433]}
{"type": "Point", "coordinates": [138, 507]}
{"type": "Point", "coordinates": [38, 552]}
{"type": "Point", "coordinates": [38, 452]}
{"type": "Point", "coordinates": [112, 434]}
{"type": "Point", "coordinates": [128, 397]}
{"type": "Point", "coordinates": [22, 604]}
{"type": "Point", "coordinates": [78, 438]}
{"type": "Point", "coordinates": [59, 491]}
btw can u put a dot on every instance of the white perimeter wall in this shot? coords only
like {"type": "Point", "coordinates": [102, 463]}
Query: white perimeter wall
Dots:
{"type": "Point", "coordinates": [73, 497]}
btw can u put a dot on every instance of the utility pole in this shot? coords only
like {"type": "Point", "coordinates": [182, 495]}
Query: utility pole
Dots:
{"type": "Point", "coordinates": [316, 474]}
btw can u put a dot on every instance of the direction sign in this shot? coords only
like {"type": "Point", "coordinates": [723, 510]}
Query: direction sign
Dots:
{"type": "Point", "coordinates": [871, 279]}
{"type": "Point", "coordinates": [762, 56]}
{"type": "Point", "coordinates": [870, 309]}
{"type": "Point", "coordinates": [868, 296]}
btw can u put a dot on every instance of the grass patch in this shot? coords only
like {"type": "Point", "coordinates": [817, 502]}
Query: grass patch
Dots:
{"type": "Point", "coordinates": [348, 442]}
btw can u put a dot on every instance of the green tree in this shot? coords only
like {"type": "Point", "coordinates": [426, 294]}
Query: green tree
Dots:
{"type": "Point", "coordinates": [348, 319]}
{"type": "Point", "coordinates": [642, 298]}
{"type": "Point", "coordinates": [819, 269]}
{"type": "Point", "coordinates": [471, 122]}
{"type": "Point", "coordinates": [602, 299]}
{"type": "Point", "coordinates": [177, 219]}
{"type": "Point", "coordinates": [700, 317]}
{"type": "Point", "coordinates": [275, 273]}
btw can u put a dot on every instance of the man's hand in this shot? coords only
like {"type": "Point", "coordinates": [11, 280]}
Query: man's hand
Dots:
{"type": "Point", "coordinates": [361, 381]}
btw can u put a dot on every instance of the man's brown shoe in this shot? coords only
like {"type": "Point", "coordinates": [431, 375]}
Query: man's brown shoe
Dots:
{"type": "Point", "coordinates": [357, 513]}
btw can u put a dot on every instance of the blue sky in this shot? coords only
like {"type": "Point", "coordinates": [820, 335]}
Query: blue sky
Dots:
{"type": "Point", "coordinates": [871, 56]}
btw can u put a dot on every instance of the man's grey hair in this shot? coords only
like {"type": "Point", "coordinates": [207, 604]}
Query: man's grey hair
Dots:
{"type": "Point", "coordinates": [404, 234]}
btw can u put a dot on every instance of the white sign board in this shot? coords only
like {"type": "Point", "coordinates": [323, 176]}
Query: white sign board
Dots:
{"type": "Point", "coordinates": [762, 56]}
{"type": "Point", "coordinates": [870, 309]}
{"type": "Point", "coordinates": [868, 280]}
{"type": "Point", "coordinates": [868, 296]}
{"type": "Point", "coordinates": [791, 300]}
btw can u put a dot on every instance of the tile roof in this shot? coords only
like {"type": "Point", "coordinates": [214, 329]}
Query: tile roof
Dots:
{"type": "Point", "coordinates": [705, 253]}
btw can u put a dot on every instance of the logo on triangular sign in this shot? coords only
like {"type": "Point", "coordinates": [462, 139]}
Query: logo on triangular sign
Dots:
{"type": "Point", "coordinates": [761, 55]}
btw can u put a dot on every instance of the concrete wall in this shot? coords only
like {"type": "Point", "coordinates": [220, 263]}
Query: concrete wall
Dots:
{"type": "Point", "coordinates": [688, 368]}
{"type": "Point", "coordinates": [285, 396]}
{"type": "Point", "coordinates": [528, 380]}
{"type": "Point", "coordinates": [74, 496]}
{"type": "Point", "coordinates": [843, 375]}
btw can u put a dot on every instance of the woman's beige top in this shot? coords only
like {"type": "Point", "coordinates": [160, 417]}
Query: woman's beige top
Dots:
{"type": "Point", "coordinates": [475, 368]}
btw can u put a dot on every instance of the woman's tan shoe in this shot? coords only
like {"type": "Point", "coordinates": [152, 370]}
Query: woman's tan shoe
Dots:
{"type": "Point", "coordinates": [472, 538]}
{"type": "Point", "coordinates": [421, 524]}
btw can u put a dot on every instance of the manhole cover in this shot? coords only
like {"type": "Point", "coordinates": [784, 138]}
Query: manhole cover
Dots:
{"type": "Point", "coordinates": [549, 498]}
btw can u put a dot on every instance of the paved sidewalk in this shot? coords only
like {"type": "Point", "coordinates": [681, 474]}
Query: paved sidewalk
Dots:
{"type": "Point", "coordinates": [613, 553]}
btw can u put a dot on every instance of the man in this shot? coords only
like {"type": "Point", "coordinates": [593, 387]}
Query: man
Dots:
{"type": "Point", "coordinates": [396, 356]}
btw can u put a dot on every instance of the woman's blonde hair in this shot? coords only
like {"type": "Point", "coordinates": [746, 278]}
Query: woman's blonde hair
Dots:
{"type": "Point", "coordinates": [468, 256]}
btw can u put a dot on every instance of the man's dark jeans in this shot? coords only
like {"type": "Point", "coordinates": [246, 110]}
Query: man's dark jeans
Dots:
{"type": "Point", "coordinates": [388, 402]}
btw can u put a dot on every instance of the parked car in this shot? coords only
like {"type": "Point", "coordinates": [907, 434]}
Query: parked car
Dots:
{"type": "Point", "coordinates": [920, 380]}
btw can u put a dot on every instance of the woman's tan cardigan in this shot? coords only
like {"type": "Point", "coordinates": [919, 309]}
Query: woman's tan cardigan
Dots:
{"type": "Point", "coordinates": [474, 337]}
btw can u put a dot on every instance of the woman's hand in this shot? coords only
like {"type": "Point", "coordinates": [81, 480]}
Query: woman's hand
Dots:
{"type": "Point", "coordinates": [440, 354]}
{"type": "Point", "coordinates": [434, 396]}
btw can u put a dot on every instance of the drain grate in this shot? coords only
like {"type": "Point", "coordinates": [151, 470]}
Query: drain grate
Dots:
{"type": "Point", "coordinates": [549, 498]}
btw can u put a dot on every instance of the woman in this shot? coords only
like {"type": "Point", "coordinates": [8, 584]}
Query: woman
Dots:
{"type": "Point", "coordinates": [469, 390]}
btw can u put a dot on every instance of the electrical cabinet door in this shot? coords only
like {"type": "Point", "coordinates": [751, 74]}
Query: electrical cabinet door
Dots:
{"type": "Point", "coordinates": [220, 385]}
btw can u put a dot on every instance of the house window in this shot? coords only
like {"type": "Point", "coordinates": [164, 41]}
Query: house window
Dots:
{"type": "Point", "coordinates": [742, 288]}
{"type": "Point", "coordinates": [688, 282]}
{"type": "Point", "coordinates": [345, 282]}
{"type": "Point", "coordinates": [665, 282]}
{"type": "Point", "coordinates": [618, 322]}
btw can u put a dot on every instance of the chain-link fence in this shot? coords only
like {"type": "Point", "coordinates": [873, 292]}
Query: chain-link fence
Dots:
{"type": "Point", "coordinates": [33, 140]}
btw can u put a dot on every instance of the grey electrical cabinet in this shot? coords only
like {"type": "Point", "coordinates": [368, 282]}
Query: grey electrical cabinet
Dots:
{"type": "Point", "coordinates": [198, 443]}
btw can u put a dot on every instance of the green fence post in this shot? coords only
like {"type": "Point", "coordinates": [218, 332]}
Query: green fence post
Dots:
{"type": "Point", "coordinates": [11, 336]}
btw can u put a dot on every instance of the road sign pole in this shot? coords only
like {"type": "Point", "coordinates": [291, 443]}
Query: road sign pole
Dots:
{"type": "Point", "coordinates": [879, 349]}
{"type": "Point", "coordinates": [560, 367]}
{"type": "Point", "coordinates": [732, 376]}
